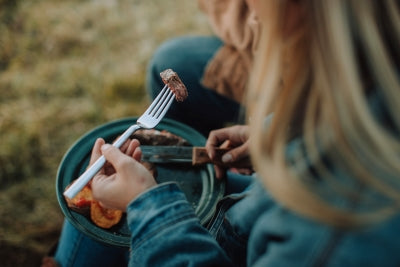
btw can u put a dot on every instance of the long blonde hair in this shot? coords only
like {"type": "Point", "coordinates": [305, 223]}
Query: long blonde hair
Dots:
{"type": "Point", "coordinates": [321, 81]}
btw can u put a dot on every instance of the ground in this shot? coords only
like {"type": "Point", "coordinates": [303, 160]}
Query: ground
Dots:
{"type": "Point", "coordinates": [65, 68]}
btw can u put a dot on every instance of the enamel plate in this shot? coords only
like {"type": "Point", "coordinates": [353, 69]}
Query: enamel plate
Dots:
{"type": "Point", "coordinates": [198, 183]}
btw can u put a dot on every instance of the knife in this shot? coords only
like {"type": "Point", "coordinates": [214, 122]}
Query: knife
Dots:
{"type": "Point", "coordinates": [180, 154]}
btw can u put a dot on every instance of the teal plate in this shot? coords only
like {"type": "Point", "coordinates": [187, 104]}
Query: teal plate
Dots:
{"type": "Point", "coordinates": [198, 183]}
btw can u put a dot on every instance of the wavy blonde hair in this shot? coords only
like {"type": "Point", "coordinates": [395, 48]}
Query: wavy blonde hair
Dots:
{"type": "Point", "coordinates": [319, 81]}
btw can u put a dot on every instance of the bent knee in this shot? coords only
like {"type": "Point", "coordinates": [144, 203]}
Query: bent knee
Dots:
{"type": "Point", "coordinates": [178, 53]}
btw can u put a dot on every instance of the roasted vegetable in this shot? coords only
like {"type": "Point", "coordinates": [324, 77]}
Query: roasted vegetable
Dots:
{"type": "Point", "coordinates": [82, 201]}
{"type": "Point", "coordinates": [103, 217]}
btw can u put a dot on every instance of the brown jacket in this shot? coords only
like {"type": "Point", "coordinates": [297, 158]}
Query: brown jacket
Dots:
{"type": "Point", "coordinates": [233, 22]}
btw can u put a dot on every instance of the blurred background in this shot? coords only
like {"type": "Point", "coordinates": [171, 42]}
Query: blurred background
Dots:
{"type": "Point", "coordinates": [65, 68]}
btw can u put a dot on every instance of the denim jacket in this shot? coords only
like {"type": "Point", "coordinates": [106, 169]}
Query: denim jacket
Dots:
{"type": "Point", "coordinates": [249, 229]}
{"type": "Point", "coordinates": [252, 229]}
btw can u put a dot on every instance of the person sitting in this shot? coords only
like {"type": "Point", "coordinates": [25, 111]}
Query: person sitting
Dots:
{"type": "Point", "coordinates": [215, 69]}
{"type": "Point", "coordinates": [326, 189]}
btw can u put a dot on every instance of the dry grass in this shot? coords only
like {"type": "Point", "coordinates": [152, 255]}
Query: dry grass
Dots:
{"type": "Point", "coordinates": [66, 67]}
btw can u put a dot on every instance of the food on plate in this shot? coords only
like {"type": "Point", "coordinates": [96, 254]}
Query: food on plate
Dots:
{"type": "Point", "coordinates": [172, 80]}
{"type": "Point", "coordinates": [84, 203]}
{"type": "Point", "coordinates": [159, 138]}
{"type": "Point", "coordinates": [103, 217]}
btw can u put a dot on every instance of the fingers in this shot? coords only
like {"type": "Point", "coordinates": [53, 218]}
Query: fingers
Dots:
{"type": "Point", "coordinates": [137, 154]}
{"type": "Point", "coordinates": [214, 140]}
{"type": "Point", "coordinates": [129, 178]}
{"type": "Point", "coordinates": [219, 172]}
{"type": "Point", "coordinates": [125, 145]}
{"type": "Point", "coordinates": [96, 152]}
{"type": "Point", "coordinates": [233, 136]}
{"type": "Point", "coordinates": [226, 144]}
{"type": "Point", "coordinates": [231, 158]}
{"type": "Point", "coordinates": [216, 137]}
{"type": "Point", "coordinates": [236, 138]}
{"type": "Point", "coordinates": [115, 156]}
{"type": "Point", "coordinates": [236, 154]}
{"type": "Point", "coordinates": [134, 150]}
{"type": "Point", "coordinates": [133, 145]}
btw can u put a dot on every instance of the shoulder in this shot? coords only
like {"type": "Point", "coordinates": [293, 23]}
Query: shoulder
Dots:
{"type": "Point", "coordinates": [283, 238]}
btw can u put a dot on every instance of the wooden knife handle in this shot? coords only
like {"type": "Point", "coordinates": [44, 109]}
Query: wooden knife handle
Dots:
{"type": "Point", "coordinates": [200, 156]}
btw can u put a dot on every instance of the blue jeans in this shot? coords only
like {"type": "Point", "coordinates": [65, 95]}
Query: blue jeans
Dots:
{"type": "Point", "coordinates": [76, 249]}
{"type": "Point", "coordinates": [204, 109]}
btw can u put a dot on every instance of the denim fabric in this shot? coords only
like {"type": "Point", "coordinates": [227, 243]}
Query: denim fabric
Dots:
{"type": "Point", "coordinates": [250, 229]}
{"type": "Point", "coordinates": [204, 110]}
{"type": "Point", "coordinates": [157, 218]}
{"type": "Point", "coordinates": [76, 249]}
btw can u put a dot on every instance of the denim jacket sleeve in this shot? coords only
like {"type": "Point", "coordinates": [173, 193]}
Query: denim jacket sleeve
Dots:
{"type": "Point", "coordinates": [162, 222]}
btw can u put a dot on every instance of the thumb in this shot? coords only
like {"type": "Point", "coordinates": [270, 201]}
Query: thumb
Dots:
{"type": "Point", "coordinates": [96, 153]}
{"type": "Point", "coordinates": [114, 156]}
{"type": "Point", "coordinates": [235, 154]}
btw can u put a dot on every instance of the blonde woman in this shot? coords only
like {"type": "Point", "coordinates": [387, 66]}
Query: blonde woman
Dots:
{"type": "Point", "coordinates": [327, 190]}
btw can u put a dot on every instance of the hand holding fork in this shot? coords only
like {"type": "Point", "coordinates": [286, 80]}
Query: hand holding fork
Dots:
{"type": "Point", "coordinates": [149, 119]}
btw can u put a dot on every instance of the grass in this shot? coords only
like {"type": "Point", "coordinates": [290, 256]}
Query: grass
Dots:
{"type": "Point", "coordinates": [65, 68]}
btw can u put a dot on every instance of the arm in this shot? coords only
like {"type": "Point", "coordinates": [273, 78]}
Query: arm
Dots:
{"type": "Point", "coordinates": [166, 232]}
{"type": "Point", "coordinates": [165, 229]}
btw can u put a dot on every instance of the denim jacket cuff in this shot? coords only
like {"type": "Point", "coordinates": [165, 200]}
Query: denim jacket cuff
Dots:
{"type": "Point", "coordinates": [157, 209]}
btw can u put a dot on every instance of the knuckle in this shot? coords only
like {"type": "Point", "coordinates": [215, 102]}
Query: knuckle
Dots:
{"type": "Point", "coordinates": [212, 134]}
{"type": "Point", "coordinates": [124, 162]}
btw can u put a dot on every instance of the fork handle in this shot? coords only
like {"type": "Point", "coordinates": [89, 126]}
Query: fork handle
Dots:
{"type": "Point", "coordinates": [85, 177]}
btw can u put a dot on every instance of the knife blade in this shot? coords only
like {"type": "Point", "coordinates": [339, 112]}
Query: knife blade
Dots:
{"type": "Point", "coordinates": [180, 154]}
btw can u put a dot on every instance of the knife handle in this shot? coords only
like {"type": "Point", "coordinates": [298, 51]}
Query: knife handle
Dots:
{"type": "Point", "coordinates": [200, 156]}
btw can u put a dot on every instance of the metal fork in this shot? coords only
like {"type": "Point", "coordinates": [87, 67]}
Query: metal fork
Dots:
{"type": "Point", "coordinates": [149, 119]}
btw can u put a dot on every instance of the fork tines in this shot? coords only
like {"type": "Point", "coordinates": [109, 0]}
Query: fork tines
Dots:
{"type": "Point", "coordinates": [164, 98]}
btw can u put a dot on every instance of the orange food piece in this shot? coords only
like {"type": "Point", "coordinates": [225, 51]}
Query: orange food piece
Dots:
{"type": "Point", "coordinates": [82, 201]}
{"type": "Point", "coordinates": [103, 217]}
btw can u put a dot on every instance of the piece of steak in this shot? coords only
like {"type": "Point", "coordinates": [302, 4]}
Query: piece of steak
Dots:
{"type": "Point", "coordinates": [172, 80]}
{"type": "Point", "coordinates": [155, 137]}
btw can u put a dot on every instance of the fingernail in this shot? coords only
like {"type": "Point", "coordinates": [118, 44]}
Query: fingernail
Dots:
{"type": "Point", "coordinates": [226, 158]}
{"type": "Point", "coordinates": [105, 147]}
